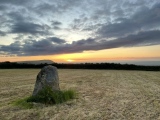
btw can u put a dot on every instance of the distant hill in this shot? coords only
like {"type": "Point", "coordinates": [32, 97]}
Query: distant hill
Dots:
{"type": "Point", "coordinates": [36, 62]}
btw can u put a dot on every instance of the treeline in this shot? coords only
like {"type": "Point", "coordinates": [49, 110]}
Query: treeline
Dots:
{"type": "Point", "coordinates": [110, 66]}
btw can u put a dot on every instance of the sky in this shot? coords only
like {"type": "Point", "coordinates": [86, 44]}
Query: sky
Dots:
{"type": "Point", "coordinates": [80, 30]}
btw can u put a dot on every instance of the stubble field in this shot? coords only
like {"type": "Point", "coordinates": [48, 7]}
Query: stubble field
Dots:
{"type": "Point", "coordinates": [102, 95]}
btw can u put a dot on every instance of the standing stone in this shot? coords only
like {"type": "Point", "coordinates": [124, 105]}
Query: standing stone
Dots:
{"type": "Point", "coordinates": [48, 76]}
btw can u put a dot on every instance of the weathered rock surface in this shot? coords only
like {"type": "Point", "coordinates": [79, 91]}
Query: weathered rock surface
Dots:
{"type": "Point", "coordinates": [48, 76]}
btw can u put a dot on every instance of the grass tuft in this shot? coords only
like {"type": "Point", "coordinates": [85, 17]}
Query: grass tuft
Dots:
{"type": "Point", "coordinates": [47, 96]}
{"type": "Point", "coordinates": [23, 103]}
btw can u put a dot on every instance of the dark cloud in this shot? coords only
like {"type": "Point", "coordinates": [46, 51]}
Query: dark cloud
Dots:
{"type": "Point", "coordinates": [2, 7]}
{"type": "Point", "coordinates": [21, 24]}
{"type": "Point", "coordinates": [117, 29]}
{"type": "Point", "coordinates": [57, 40]}
{"type": "Point", "coordinates": [53, 45]}
{"type": "Point", "coordinates": [48, 46]}
{"type": "Point", "coordinates": [2, 33]}
{"type": "Point", "coordinates": [84, 42]}
{"type": "Point", "coordinates": [28, 28]}
{"type": "Point", "coordinates": [47, 8]}
{"type": "Point", "coordinates": [56, 23]}
{"type": "Point", "coordinates": [144, 18]}
{"type": "Point", "coordinates": [17, 16]}
{"type": "Point", "coordinates": [57, 6]}
{"type": "Point", "coordinates": [56, 28]}
{"type": "Point", "coordinates": [12, 49]}
{"type": "Point", "coordinates": [15, 2]}
{"type": "Point", "coordinates": [145, 38]}
{"type": "Point", "coordinates": [33, 47]}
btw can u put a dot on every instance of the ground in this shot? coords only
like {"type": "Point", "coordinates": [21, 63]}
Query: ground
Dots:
{"type": "Point", "coordinates": [102, 95]}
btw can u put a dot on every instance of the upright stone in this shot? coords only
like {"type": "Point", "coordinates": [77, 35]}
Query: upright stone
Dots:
{"type": "Point", "coordinates": [48, 76]}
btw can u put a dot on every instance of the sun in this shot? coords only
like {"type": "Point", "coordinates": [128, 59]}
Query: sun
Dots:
{"type": "Point", "coordinates": [70, 60]}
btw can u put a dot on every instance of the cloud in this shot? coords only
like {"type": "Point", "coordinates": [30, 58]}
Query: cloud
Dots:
{"type": "Point", "coordinates": [2, 7]}
{"type": "Point", "coordinates": [145, 38]}
{"type": "Point", "coordinates": [47, 8]}
{"type": "Point", "coordinates": [2, 33]}
{"type": "Point", "coordinates": [28, 28]}
{"type": "Point", "coordinates": [56, 23]}
{"type": "Point", "coordinates": [144, 18]}
{"type": "Point", "coordinates": [33, 47]}
{"type": "Point", "coordinates": [57, 40]}
{"type": "Point", "coordinates": [19, 23]}
{"type": "Point", "coordinates": [14, 2]}
{"type": "Point", "coordinates": [12, 49]}
{"type": "Point", "coordinates": [53, 45]}
{"type": "Point", "coordinates": [57, 6]}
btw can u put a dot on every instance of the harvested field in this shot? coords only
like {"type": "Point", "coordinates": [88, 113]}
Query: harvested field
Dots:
{"type": "Point", "coordinates": [102, 95]}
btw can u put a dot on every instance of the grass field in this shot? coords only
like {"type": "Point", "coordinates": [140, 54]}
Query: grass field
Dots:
{"type": "Point", "coordinates": [102, 95]}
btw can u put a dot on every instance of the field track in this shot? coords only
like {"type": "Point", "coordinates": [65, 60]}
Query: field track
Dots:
{"type": "Point", "coordinates": [102, 95]}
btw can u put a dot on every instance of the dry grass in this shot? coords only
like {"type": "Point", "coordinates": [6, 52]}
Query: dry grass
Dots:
{"type": "Point", "coordinates": [103, 94]}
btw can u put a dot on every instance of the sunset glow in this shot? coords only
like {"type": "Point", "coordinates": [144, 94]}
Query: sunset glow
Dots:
{"type": "Point", "coordinates": [70, 60]}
